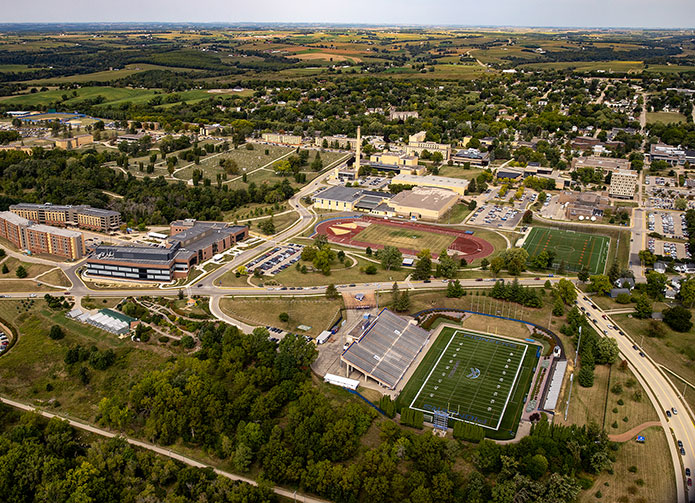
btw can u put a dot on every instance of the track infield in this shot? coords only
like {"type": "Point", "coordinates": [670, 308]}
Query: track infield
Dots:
{"type": "Point", "coordinates": [577, 249]}
{"type": "Point", "coordinates": [479, 378]}
{"type": "Point", "coordinates": [409, 237]}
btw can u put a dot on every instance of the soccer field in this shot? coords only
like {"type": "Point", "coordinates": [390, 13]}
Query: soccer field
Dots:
{"type": "Point", "coordinates": [577, 249]}
{"type": "Point", "coordinates": [404, 237]}
{"type": "Point", "coordinates": [477, 378]}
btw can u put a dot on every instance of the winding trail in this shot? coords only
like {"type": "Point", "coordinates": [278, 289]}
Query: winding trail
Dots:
{"type": "Point", "coordinates": [630, 434]}
{"type": "Point", "coordinates": [285, 493]}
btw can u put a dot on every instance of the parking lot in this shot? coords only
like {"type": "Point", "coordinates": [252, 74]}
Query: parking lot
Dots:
{"type": "Point", "coordinates": [496, 216]}
{"type": "Point", "coordinates": [4, 342]}
{"type": "Point", "coordinates": [276, 260]}
{"type": "Point", "coordinates": [668, 249]}
{"type": "Point", "coordinates": [375, 182]}
{"type": "Point", "coordinates": [660, 181]}
{"type": "Point", "coordinates": [664, 198]}
{"type": "Point", "coordinates": [669, 224]}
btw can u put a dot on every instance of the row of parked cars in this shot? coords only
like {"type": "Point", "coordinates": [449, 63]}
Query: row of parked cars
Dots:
{"type": "Point", "coordinates": [277, 259]}
{"type": "Point", "coordinates": [4, 342]}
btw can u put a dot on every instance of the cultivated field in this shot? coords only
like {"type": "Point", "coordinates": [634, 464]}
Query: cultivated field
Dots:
{"type": "Point", "coordinates": [473, 376]}
{"type": "Point", "coordinates": [576, 249]}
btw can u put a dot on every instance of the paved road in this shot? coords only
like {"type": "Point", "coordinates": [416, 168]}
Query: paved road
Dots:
{"type": "Point", "coordinates": [660, 391]}
{"type": "Point", "coordinates": [286, 493]}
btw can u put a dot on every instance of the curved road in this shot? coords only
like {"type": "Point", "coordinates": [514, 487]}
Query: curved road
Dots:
{"type": "Point", "coordinates": [660, 390]}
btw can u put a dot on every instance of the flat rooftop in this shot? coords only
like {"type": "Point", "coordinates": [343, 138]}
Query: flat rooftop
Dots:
{"type": "Point", "coordinates": [425, 198]}
{"type": "Point", "coordinates": [430, 179]}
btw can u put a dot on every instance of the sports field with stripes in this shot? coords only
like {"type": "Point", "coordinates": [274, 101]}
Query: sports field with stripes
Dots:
{"type": "Point", "coordinates": [477, 378]}
{"type": "Point", "coordinates": [577, 249]}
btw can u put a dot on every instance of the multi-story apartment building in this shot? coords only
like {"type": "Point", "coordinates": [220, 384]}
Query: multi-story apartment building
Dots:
{"type": "Point", "coordinates": [282, 139]}
{"type": "Point", "coordinates": [82, 216]}
{"type": "Point", "coordinates": [40, 238]}
{"type": "Point", "coordinates": [623, 183]}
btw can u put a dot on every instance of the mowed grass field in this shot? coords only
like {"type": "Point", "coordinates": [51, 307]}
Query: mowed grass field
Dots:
{"type": "Point", "coordinates": [478, 378]}
{"type": "Point", "coordinates": [577, 249]}
{"type": "Point", "coordinates": [410, 239]}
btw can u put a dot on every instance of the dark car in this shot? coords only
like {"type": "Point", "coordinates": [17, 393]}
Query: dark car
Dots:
{"type": "Point", "coordinates": [682, 452]}
{"type": "Point", "coordinates": [479, 279]}
{"type": "Point", "coordinates": [668, 413]}
{"type": "Point", "coordinates": [687, 472]}
{"type": "Point", "coordinates": [634, 346]}
{"type": "Point", "coordinates": [199, 285]}
{"type": "Point", "coordinates": [642, 354]}
{"type": "Point", "coordinates": [680, 443]}
{"type": "Point", "coordinates": [427, 281]}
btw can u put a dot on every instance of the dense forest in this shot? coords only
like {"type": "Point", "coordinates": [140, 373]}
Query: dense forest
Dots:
{"type": "Point", "coordinates": [49, 461]}
{"type": "Point", "coordinates": [251, 401]}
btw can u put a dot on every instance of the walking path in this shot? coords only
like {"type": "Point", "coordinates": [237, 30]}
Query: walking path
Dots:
{"type": "Point", "coordinates": [285, 493]}
{"type": "Point", "coordinates": [630, 434]}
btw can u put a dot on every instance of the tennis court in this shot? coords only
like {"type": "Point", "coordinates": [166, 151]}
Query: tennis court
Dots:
{"type": "Point", "coordinates": [475, 377]}
{"type": "Point", "coordinates": [576, 249]}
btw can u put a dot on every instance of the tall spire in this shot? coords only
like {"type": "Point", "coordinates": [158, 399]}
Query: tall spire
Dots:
{"type": "Point", "coordinates": [359, 151]}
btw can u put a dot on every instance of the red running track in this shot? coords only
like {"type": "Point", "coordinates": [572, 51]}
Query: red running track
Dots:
{"type": "Point", "coordinates": [466, 245]}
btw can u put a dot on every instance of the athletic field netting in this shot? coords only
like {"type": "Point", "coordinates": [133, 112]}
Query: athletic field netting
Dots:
{"type": "Point", "coordinates": [576, 249]}
{"type": "Point", "coordinates": [474, 377]}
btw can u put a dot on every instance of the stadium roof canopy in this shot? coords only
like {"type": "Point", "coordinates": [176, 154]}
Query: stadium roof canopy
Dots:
{"type": "Point", "coordinates": [386, 348]}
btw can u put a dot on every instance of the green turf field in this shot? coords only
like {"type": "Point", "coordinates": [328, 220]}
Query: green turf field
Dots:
{"type": "Point", "coordinates": [410, 239]}
{"type": "Point", "coordinates": [577, 249]}
{"type": "Point", "coordinates": [478, 378]}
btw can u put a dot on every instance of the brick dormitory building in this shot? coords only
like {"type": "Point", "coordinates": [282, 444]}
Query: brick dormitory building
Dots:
{"type": "Point", "coordinates": [40, 238]}
{"type": "Point", "coordinates": [190, 243]}
{"type": "Point", "coordinates": [82, 216]}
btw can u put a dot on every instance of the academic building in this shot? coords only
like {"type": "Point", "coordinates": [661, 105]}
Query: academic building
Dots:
{"type": "Point", "coordinates": [82, 216]}
{"type": "Point", "coordinates": [623, 184]}
{"type": "Point", "coordinates": [191, 243]}
{"type": "Point", "coordinates": [39, 238]}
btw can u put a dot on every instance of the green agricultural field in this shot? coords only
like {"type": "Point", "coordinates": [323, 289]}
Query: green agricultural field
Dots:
{"type": "Point", "coordinates": [111, 95]}
{"type": "Point", "coordinates": [410, 239]}
{"type": "Point", "coordinates": [576, 249]}
{"type": "Point", "coordinates": [478, 378]}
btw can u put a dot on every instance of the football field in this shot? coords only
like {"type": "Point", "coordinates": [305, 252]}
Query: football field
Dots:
{"type": "Point", "coordinates": [476, 377]}
{"type": "Point", "coordinates": [577, 249]}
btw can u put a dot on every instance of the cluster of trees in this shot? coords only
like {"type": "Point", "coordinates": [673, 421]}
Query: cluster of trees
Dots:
{"type": "Point", "coordinates": [513, 260]}
{"type": "Point", "coordinates": [593, 350]}
{"type": "Point", "coordinates": [400, 300]}
{"type": "Point", "coordinates": [64, 177]}
{"type": "Point", "coordinates": [320, 254]}
{"type": "Point", "coordinates": [468, 432]}
{"type": "Point", "coordinates": [49, 461]}
{"type": "Point", "coordinates": [514, 292]}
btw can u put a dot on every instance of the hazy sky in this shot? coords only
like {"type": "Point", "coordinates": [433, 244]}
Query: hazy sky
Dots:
{"type": "Point", "coordinates": [588, 13]}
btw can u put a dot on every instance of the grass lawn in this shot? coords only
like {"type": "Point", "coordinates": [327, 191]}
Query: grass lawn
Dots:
{"type": "Point", "coordinates": [54, 277]}
{"type": "Point", "coordinates": [456, 215]}
{"type": "Point", "coordinates": [100, 302]}
{"type": "Point", "coordinates": [339, 275]}
{"type": "Point", "coordinates": [675, 351]}
{"type": "Point", "coordinates": [318, 313]}
{"type": "Point", "coordinates": [576, 249]}
{"type": "Point", "coordinates": [281, 222]}
{"type": "Point", "coordinates": [653, 480]}
{"type": "Point", "coordinates": [31, 268]}
{"type": "Point", "coordinates": [474, 376]}
{"type": "Point", "coordinates": [459, 172]}
{"type": "Point", "coordinates": [666, 117]}
{"type": "Point", "coordinates": [411, 239]}
{"type": "Point", "coordinates": [247, 160]}
{"type": "Point", "coordinates": [588, 405]}
{"type": "Point", "coordinates": [34, 370]}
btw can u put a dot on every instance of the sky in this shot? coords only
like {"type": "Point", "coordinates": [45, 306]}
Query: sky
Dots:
{"type": "Point", "coordinates": [560, 13]}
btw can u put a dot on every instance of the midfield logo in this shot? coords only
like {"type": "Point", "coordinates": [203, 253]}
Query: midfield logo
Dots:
{"type": "Point", "coordinates": [475, 373]}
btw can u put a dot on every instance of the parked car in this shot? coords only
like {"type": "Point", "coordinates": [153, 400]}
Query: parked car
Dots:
{"type": "Point", "coordinates": [668, 413]}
